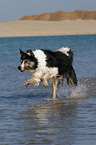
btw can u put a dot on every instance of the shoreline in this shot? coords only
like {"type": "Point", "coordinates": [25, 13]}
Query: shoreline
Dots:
{"type": "Point", "coordinates": [45, 35]}
{"type": "Point", "coordinates": [29, 28]}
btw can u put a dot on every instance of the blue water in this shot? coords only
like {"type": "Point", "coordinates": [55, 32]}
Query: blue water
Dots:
{"type": "Point", "coordinates": [27, 116]}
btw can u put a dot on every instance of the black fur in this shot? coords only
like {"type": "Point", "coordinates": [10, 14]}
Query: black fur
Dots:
{"type": "Point", "coordinates": [63, 63]}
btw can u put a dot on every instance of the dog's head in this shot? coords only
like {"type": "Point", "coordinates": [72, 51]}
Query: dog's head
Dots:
{"type": "Point", "coordinates": [28, 61]}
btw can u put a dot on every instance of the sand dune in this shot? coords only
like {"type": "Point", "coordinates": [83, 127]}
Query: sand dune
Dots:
{"type": "Point", "coordinates": [60, 16]}
{"type": "Point", "coordinates": [47, 28]}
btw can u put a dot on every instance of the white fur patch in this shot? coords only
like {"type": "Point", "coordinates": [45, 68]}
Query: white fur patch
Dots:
{"type": "Point", "coordinates": [41, 57]}
{"type": "Point", "coordinates": [42, 69]}
{"type": "Point", "coordinates": [22, 66]}
{"type": "Point", "coordinates": [64, 50]}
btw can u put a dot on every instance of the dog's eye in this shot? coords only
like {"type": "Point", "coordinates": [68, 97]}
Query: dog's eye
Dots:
{"type": "Point", "coordinates": [26, 61]}
{"type": "Point", "coordinates": [29, 63]}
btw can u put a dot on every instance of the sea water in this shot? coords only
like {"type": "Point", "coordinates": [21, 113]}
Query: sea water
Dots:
{"type": "Point", "coordinates": [28, 116]}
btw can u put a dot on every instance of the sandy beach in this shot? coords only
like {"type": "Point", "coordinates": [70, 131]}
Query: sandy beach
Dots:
{"type": "Point", "coordinates": [22, 28]}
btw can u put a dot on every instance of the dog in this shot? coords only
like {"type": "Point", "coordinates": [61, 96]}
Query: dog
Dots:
{"type": "Point", "coordinates": [46, 65]}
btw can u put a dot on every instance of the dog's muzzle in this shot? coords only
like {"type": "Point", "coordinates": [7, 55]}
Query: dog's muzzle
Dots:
{"type": "Point", "coordinates": [19, 67]}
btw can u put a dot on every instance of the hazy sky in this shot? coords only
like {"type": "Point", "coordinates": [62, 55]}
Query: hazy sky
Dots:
{"type": "Point", "coordinates": [12, 10]}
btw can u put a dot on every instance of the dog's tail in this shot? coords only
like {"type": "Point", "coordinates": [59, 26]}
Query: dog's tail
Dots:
{"type": "Point", "coordinates": [71, 77]}
{"type": "Point", "coordinates": [67, 51]}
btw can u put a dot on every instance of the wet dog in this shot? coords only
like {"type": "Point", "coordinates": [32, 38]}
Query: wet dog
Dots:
{"type": "Point", "coordinates": [46, 65]}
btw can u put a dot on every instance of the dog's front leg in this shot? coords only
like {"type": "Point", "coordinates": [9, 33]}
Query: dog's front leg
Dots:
{"type": "Point", "coordinates": [55, 83]}
{"type": "Point", "coordinates": [45, 81]}
{"type": "Point", "coordinates": [32, 81]}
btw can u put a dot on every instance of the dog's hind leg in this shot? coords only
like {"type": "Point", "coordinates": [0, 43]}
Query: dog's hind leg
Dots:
{"type": "Point", "coordinates": [35, 81]}
{"type": "Point", "coordinates": [55, 83]}
{"type": "Point", "coordinates": [71, 82]}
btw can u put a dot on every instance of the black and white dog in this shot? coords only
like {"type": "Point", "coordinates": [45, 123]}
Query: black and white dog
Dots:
{"type": "Point", "coordinates": [46, 65]}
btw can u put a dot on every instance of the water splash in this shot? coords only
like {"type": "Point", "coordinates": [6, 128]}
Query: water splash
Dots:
{"type": "Point", "coordinates": [69, 92]}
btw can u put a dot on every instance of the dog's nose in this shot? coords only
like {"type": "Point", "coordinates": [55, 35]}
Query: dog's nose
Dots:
{"type": "Point", "coordinates": [19, 67]}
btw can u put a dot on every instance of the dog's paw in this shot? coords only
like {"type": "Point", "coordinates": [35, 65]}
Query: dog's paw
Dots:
{"type": "Point", "coordinates": [45, 84]}
{"type": "Point", "coordinates": [26, 84]}
{"type": "Point", "coordinates": [36, 85]}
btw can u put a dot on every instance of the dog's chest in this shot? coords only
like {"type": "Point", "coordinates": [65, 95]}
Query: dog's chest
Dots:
{"type": "Point", "coordinates": [41, 71]}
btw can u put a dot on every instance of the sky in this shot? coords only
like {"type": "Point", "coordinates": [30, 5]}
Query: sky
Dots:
{"type": "Point", "coordinates": [12, 10]}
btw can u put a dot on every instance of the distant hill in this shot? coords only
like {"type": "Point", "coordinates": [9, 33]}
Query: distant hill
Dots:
{"type": "Point", "coordinates": [60, 16]}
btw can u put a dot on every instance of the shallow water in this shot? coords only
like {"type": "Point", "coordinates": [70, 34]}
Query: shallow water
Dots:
{"type": "Point", "coordinates": [27, 116]}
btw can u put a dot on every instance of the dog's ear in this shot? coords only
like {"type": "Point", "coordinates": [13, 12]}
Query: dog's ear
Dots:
{"type": "Point", "coordinates": [29, 52]}
{"type": "Point", "coordinates": [21, 52]}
